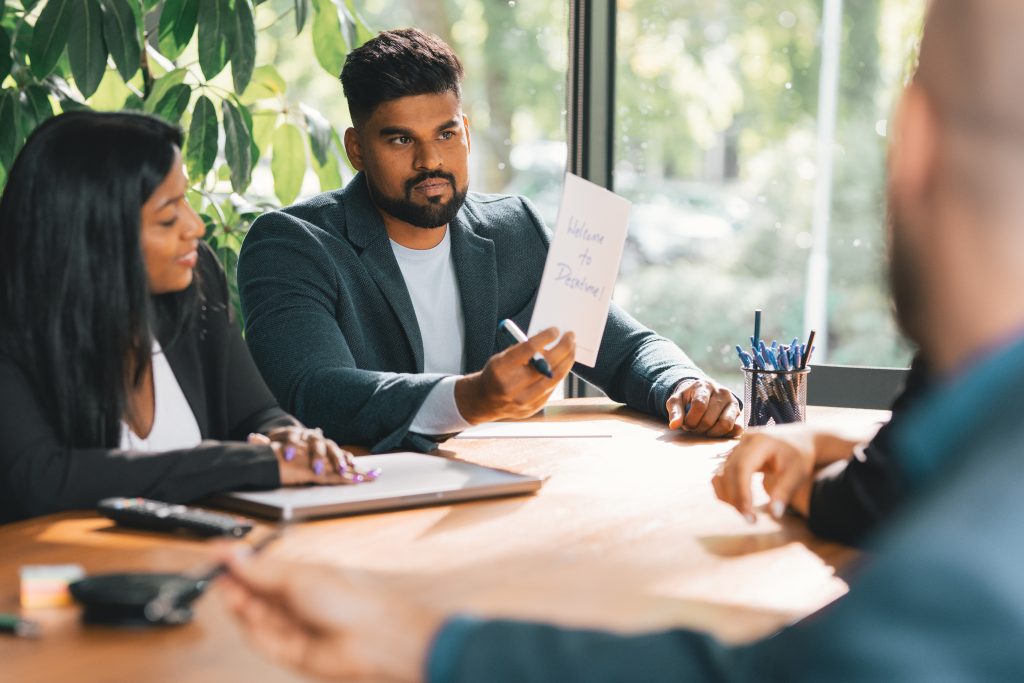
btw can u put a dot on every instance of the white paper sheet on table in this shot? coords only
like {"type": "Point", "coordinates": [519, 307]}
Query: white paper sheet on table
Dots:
{"type": "Point", "coordinates": [580, 429]}
{"type": "Point", "coordinates": [582, 265]}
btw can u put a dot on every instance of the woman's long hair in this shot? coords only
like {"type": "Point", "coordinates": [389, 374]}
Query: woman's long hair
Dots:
{"type": "Point", "coordinates": [75, 309]}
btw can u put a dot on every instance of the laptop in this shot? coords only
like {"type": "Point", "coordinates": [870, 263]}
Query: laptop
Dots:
{"type": "Point", "coordinates": [407, 480]}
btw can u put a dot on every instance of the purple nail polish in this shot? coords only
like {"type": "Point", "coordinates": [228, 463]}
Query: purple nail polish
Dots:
{"type": "Point", "coordinates": [318, 467]}
{"type": "Point", "coordinates": [289, 453]}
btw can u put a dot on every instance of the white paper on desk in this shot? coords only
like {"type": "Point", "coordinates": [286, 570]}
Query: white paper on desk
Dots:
{"type": "Point", "coordinates": [582, 265]}
{"type": "Point", "coordinates": [580, 429]}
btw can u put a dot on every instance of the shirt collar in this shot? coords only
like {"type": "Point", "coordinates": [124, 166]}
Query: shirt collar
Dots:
{"type": "Point", "coordinates": [938, 430]}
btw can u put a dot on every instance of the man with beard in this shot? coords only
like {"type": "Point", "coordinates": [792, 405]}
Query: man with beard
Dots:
{"type": "Point", "coordinates": [373, 310]}
{"type": "Point", "coordinates": [940, 598]}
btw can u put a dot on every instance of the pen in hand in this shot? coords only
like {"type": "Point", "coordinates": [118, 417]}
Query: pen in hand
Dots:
{"type": "Point", "coordinates": [539, 362]}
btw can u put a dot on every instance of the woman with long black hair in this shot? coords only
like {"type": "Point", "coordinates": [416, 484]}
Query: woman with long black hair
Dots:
{"type": "Point", "coordinates": [122, 369]}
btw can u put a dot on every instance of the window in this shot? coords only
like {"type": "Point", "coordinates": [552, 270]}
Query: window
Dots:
{"type": "Point", "coordinates": [722, 140]}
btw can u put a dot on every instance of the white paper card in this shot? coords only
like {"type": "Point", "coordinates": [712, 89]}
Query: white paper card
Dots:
{"type": "Point", "coordinates": [582, 265]}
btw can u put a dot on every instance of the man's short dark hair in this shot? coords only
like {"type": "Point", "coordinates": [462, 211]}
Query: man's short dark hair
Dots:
{"type": "Point", "coordinates": [398, 63]}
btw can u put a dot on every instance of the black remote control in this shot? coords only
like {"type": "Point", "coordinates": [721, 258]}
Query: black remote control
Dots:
{"type": "Point", "coordinates": [143, 513]}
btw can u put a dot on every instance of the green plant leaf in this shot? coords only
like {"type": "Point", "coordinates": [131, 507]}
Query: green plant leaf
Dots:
{"type": "Point", "coordinates": [121, 31]}
{"type": "Point", "coordinates": [301, 12]}
{"type": "Point", "coordinates": [150, 4]}
{"type": "Point", "coordinates": [214, 19]}
{"type": "Point", "coordinates": [133, 102]}
{"type": "Point", "coordinates": [253, 147]}
{"type": "Point", "coordinates": [86, 50]}
{"type": "Point", "coordinates": [172, 105]}
{"type": "Point", "coordinates": [29, 5]}
{"type": "Point", "coordinates": [201, 148]}
{"type": "Point", "coordinates": [49, 36]}
{"type": "Point", "coordinates": [161, 86]}
{"type": "Point", "coordinates": [5, 54]}
{"type": "Point", "coordinates": [319, 133]}
{"type": "Point", "coordinates": [363, 30]}
{"type": "Point", "coordinates": [288, 163]}
{"type": "Point", "coordinates": [328, 40]}
{"type": "Point", "coordinates": [35, 107]}
{"type": "Point", "coordinates": [263, 125]}
{"type": "Point", "coordinates": [241, 36]}
{"type": "Point", "coordinates": [8, 126]}
{"type": "Point", "coordinates": [266, 83]}
{"type": "Point", "coordinates": [329, 173]}
{"type": "Point", "coordinates": [177, 24]}
{"type": "Point", "coordinates": [237, 146]}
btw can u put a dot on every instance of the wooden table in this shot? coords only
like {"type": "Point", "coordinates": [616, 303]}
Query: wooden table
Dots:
{"type": "Point", "coordinates": [625, 534]}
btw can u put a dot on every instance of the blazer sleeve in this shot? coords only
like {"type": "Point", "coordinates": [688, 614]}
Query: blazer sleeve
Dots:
{"type": "Point", "coordinates": [849, 504]}
{"type": "Point", "coordinates": [634, 365]}
{"type": "Point", "coordinates": [40, 475]}
{"type": "Point", "coordinates": [293, 303]}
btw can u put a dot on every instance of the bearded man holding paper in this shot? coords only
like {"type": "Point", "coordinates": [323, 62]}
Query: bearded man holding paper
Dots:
{"type": "Point", "coordinates": [373, 310]}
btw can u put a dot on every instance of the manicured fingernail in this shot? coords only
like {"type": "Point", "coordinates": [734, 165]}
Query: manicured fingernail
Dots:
{"type": "Point", "coordinates": [372, 474]}
{"type": "Point", "coordinates": [778, 509]}
{"type": "Point", "coordinates": [318, 467]}
{"type": "Point", "coordinates": [359, 477]}
{"type": "Point", "coordinates": [751, 519]}
{"type": "Point", "coordinates": [289, 453]}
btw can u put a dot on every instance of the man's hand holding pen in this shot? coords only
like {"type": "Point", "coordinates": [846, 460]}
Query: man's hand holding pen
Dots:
{"type": "Point", "coordinates": [509, 386]}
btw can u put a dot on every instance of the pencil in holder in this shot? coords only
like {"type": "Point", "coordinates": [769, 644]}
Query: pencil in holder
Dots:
{"type": "Point", "coordinates": [774, 397]}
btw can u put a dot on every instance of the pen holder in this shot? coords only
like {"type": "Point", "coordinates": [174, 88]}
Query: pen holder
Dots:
{"type": "Point", "coordinates": [774, 397]}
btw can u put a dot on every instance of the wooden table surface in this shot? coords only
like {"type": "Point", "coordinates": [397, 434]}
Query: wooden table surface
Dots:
{"type": "Point", "coordinates": [626, 534]}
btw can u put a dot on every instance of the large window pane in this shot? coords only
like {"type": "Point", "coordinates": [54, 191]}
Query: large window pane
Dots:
{"type": "Point", "coordinates": [716, 124]}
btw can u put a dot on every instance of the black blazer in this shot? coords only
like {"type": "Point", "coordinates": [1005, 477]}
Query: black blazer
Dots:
{"type": "Point", "coordinates": [40, 475]}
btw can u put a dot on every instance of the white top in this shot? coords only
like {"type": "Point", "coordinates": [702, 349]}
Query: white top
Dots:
{"type": "Point", "coordinates": [430, 278]}
{"type": "Point", "coordinates": [174, 424]}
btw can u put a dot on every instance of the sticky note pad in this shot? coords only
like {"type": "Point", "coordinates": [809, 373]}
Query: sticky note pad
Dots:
{"type": "Point", "coordinates": [46, 585]}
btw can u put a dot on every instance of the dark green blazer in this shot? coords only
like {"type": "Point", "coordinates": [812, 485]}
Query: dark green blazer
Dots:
{"type": "Point", "coordinates": [330, 323]}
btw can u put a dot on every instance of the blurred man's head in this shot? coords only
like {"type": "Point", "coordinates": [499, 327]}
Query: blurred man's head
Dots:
{"type": "Point", "coordinates": [956, 182]}
{"type": "Point", "coordinates": [410, 137]}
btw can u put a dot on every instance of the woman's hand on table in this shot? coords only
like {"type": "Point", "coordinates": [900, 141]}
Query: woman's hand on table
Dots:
{"type": "Point", "coordinates": [306, 456]}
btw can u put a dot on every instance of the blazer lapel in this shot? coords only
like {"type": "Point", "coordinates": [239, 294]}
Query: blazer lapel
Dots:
{"type": "Point", "coordinates": [366, 231]}
{"type": "Point", "coordinates": [477, 273]}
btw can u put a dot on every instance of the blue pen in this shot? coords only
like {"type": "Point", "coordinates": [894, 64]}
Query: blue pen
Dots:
{"type": "Point", "coordinates": [784, 359]}
{"type": "Point", "coordinates": [744, 357]}
{"type": "Point", "coordinates": [758, 360]}
{"type": "Point", "coordinates": [538, 362]}
{"type": "Point", "coordinates": [757, 326]}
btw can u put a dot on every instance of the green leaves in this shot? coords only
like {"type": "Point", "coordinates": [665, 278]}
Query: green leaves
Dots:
{"type": "Point", "coordinates": [177, 24]}
{"type": "Point", "coordinates": [214, 18]}
{"type": "Point", "coordinates": [173, 104]}
{"type": "Point", "coordinates": [301, 12]}
{"type": "Point", "coordinates": [5, 54]}
{"type": "Point", "coordinates": [49, 36]}
{"type": "Point", "coordinates": [328, 41]}
{"type": "Point", "coordinates": [237, 146]}
{"type": "Point", "coordinates": [201, 147]}
{"type": "Point", "coordinates": [86, 50]}
{"type": "Point", "coordinates": [319, 133]}
{"type": "Point", "coordinates": [121, 32]}
{"type": "Point", "coordinates": [8, 126]}
{"type": "Point", "coordinates": [241, 41]}
{"type": "Point", "coordinates": [161, 86]}
{"type": "Point", "coordinates": [288, 164]}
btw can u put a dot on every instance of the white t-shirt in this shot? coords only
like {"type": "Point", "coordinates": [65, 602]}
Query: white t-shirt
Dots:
{"type": "Point", "coordinates": [174, 424]}
{"type": "Point", "coordinates": [430, 278]}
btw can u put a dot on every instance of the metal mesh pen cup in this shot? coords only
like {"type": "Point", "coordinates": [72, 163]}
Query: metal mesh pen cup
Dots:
{"type": "Point", "coordinates": [774, 397]}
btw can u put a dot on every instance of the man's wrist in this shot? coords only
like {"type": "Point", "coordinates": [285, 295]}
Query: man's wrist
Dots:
{"type": "Point", "coordinates": [467, 399]}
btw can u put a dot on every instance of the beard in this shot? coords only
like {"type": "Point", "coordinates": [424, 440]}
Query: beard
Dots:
{"type": "Point", "coordinates": [434, 214]}
{"type": "Point", "coordinates": [906, 283]}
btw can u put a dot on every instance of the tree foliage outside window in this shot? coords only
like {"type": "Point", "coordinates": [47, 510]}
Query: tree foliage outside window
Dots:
{"type": "Point", "coordinates": [716, 115]}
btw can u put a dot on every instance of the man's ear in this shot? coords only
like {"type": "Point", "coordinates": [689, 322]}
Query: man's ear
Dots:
{"type": "Point", "coordinates": [354, 148]}
{"type": "Point", "coordinates": [913, 154]}
{"type": "Point", "coordinates": [469, 141]}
